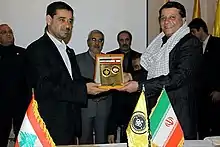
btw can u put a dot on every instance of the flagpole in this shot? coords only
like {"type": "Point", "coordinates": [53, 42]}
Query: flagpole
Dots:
{"type": "Point", "coordinates": [148, 120]}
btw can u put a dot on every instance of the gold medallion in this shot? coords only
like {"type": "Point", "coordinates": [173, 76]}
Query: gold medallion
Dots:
{"type": "Point", "coordinates": [115, 69]}
{"type": "Point", "coordinates": [106, 72]}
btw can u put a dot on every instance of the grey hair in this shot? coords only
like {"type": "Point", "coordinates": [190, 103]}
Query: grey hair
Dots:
{"type": "Point", "coordinates": [95, 31]}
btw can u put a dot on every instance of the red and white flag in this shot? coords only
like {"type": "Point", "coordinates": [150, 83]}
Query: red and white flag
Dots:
{"type": "Point", "coordinates": [33, 132]}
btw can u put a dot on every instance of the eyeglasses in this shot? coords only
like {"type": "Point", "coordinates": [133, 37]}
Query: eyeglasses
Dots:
{"type": "Point", "coordinates": [99, 40]}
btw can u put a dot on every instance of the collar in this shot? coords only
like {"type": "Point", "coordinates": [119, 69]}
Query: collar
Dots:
{"type": "Point", "coordinates": [56, 41]}
{"type": "Point", "coordinates": [206, 40]}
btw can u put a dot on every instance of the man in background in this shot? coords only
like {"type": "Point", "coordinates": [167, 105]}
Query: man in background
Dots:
{"type": "Point", "coordinates": [124, 39]}
{"type": "Point", "coordinates": [123, 103]}
{"type": "Point", "coordinates": [209, 102]}
{"type": "Point", "coordinates": [13, 88]}
{"type": "Point", "coordinates": [94, 117]}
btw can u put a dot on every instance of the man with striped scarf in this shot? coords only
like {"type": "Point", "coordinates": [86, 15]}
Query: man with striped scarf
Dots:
{"type": "Point", "coordinates": [173, 61]}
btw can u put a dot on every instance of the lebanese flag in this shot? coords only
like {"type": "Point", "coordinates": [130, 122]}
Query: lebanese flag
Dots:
{"type": "Point", "coordinates": [33, 131]}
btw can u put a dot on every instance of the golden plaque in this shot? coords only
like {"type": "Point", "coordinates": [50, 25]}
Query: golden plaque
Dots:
{"type": "Point", "coordinates": [109, 70]}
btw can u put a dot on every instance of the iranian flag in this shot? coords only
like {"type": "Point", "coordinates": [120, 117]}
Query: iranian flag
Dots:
{"type": "Point", "coordinates": [33, 132]}
{"type": "Point", "coordinates": [164, 125]}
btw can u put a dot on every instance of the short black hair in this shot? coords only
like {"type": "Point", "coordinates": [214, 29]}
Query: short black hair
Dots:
{"type": "Point", "coordinates": [135, 55]}
{"type": "Point", "coordinates": [51, 8]}
{"type": "Point", "coordinates": [124, 31]}
{"type": "Point", "coordinates": [177, 5]}
{"type": "Point", "coordinates": [198, 23]}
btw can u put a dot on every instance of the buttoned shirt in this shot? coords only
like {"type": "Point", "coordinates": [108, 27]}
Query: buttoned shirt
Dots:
{"type": "Point", "coordinates": [61, 46]}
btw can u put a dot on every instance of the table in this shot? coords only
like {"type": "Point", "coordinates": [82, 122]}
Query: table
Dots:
{"type": "Point", "coordinates": [188, 143]}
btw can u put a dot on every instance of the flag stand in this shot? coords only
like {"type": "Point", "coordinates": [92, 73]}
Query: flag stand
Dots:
{"type": "Point", "coordinates": [148, 120]}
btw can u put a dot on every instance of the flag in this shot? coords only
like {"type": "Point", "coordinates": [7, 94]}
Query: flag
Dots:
{"type": "Point", "coordinates": [216, 29]}
{"type": "Point", "coordinates": [164, 125]}
{"type": "Point", "coordinates": [33, 131]}
{"type": "Point", "coordinates": [137, 130]}
{"type": "Point", "coordinates": [196, 9]}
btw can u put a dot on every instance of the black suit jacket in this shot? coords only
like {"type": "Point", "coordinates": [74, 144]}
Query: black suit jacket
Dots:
{"type": "Point", "coordinates": [59, 97]}
{"type": "Point", "coordinates": [211, 64]}
{"type": "Point", "coordinates": [123, 103]}
{"type": "Point", "coordinates": [181, 83]}
{"type": "Point", "coordinates": [211, 79]}
{"type": "Point", "coordinates": [127, 67]}
{"type": "Point", "coordinates": [13, 87]}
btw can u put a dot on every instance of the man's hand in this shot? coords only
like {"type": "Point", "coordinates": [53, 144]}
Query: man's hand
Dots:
{"type": "Point", "coordinates": [127, 77]}
{"type": "Point", "coordinates": [93, 88]}
{"type": "Point", "coordinates": [111, 139]}
{"type": "Point", "coordinates": [215, 96]}
{"type": "Point", "coordinates": [131, 86]}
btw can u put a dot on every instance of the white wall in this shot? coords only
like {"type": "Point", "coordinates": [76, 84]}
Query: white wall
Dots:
{"type": "Point", "coordinates": [27, 19]}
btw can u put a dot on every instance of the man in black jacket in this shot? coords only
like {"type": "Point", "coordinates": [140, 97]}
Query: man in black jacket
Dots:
{"type": "Point", "coordinates": [173, 60]}
{"type": "Point", "coordinates": [53, 72]}
{"type": "Point", "coordinates": [123, 103]}
{"type": "Point", "coordinates": [209, 102]}
{"type": "Point", "coordinates": [13, 89]}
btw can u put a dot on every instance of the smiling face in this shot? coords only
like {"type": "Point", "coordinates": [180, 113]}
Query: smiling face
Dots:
{"type": "Point", "coordinates": [61, 24]}
{"type": "Point", "coordinates": [170, 21]}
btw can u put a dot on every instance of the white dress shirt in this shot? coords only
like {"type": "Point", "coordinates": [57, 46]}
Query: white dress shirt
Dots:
{"type": "Point", "coordinates": [204, 44]}
{"type": "Point", "coordinates": [61, 46]}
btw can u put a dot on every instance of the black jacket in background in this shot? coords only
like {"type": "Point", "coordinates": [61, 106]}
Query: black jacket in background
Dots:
{"type": "Point", "coordinates": [13, 88]}
{"type": "Point", "coordinates": [12, 76]}
{"type": "Point", "coordinates": [127, 65]}
{"type": "Point", "coordinates": [208, 109]}
{"type": "Point", "coordinates": [123, 103]}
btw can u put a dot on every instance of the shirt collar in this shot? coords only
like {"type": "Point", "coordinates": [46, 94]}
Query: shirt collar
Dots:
{"type": "Point", "coordinates": [206, 40]}
{"type": "Point", "coordinates": [56, 41]}
{"type": "Point", "coordinates": [204, 43]}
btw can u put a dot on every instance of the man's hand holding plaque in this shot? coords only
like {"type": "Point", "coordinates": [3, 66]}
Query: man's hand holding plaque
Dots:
{"type": "Point", "coordinates": [109, 71]}
{"type": "Point", "coordinates": [93, 88]}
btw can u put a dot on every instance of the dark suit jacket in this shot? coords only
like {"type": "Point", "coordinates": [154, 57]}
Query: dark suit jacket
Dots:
{"type": "Point", "coordinates": [123, 103]}
{"type": "Point", "coordinates": [59, 97]}
{"type": "Point", "coordinates": [127, 67]}
{"type": "Point", "coordinates": [211, 78]}
{"type": "Point", "coordinates": [12, 78]}
{"type": "Point", "coordinates": [181, 83]}
{"type": "Point", "coordinates": [13, 87]}
{"type": "Point", "coordinates": [212, 64]}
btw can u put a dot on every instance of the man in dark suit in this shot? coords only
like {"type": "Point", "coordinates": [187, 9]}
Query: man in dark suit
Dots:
{"type": "Point", "coordinates": [123, 103]}
{"type": "Point", "coordinates": [54, 74]}
{"type": "Point", "coordinates": [173, 61]}
{"type": "Point", "coordinates": [209, 102]}
{"type": "Point", "coordinates": [13, 88]}
{"type": "Point", "coordinates": [124, 39]}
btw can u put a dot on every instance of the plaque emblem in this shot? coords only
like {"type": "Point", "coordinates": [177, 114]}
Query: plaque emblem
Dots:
{"type": "Point", "coordinates": [106, 72]}
{"type": "Point", "coordinates": [115, 69]}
